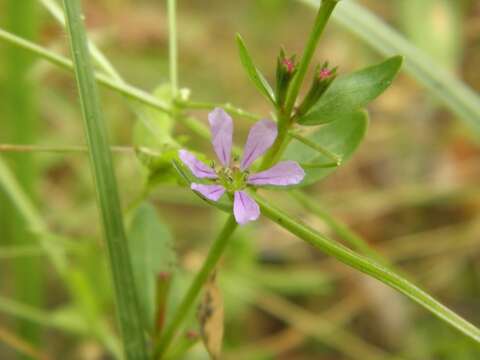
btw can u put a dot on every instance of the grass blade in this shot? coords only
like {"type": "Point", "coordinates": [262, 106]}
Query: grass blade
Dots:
{"type": "Point", "coordinates": [21, 127]}
{"type": "Point", "coordinates": [128, 308]}
{"type": "Point", "coordinates": [457, 96]}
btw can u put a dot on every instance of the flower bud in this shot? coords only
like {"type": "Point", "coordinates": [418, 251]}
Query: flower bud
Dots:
{"type": "Point", "coordinates": [286, 69]}
{"type": "Point", "coordinates": [323, 78]}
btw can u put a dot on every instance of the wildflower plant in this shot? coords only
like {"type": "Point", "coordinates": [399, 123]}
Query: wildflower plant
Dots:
{"type": "Point", "coordinates": [300, 142]}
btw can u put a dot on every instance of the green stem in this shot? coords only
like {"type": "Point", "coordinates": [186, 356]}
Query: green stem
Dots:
{"type": "Point", "coordinates": [285, 115]}
{"type": "Point", "coordinates": [226, 106]}
{"type": "Point", "coordinates": [321, 20]}
{"type": "Point", "coordinates": [368, 267]}
{"type": "Point", "coordinates": [280, 144]}
{"type": "Point", "coordinates": [21, 126]}
{"type": "Point", "coordinates": [317, 147]}
{"type": "Point", "coordinates": [61, 149]}
{"type": "Point", "coordinates": [128, 309]}
{"type": "Point", "coordinates": [56, 11]}
{"type": "Point", "coordinates": [201, 277]}
{"type": "Point", "coordinates": [355, 241]}
{"type": "Point", "coordinates": [172, 45]}
{"type": "Point", "coordinates": [124, 89]}
{"type": "Point", "coordinates": [49, 320]}
{"type": "Point", "coordinates": [20, 199]}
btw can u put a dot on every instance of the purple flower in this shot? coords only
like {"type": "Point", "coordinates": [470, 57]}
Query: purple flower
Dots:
{"type": "Point", "coordinates": [233, 178]}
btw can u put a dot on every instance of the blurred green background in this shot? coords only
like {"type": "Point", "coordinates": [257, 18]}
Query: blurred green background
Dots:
{"type": "Point", "coordinates": [411, 191]}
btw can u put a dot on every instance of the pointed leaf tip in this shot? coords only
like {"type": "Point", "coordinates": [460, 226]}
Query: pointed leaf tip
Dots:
{"type": "Point", "coordinates": [256, 77]}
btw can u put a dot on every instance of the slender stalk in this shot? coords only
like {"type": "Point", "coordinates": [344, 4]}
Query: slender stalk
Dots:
{"type": "Point", "coordinates": [21, 126]}
{"type": "Point", "coordinates": [337, 159]}
{"type": "Point", "coordinates": [226, 106]}
{"type": "Point", "coordinates": [324, 12]}
{"type": "Point", "coordinates": [56, 11]}
{"type": "Point", "coordinates": [368, 267]}
{"type": "Point", "coordinates": [341, 229]}
{"type": "Point", "coordinates": [172, 45]}
{"type": "Point", "coordinates": [128, 309]}
{"type": "Point", "coordinates": [49, 320]}
{"type": "Point", "coordinates": [214, 254]}
{"type": "Point", "coordinates": [19, 344]}
{"type": "Point", "coordinates": [60, 149]}
{"type": "Point", "coordinates": [285, 114]}
{"type": "Point", "coordinates": [20, 199]}
{"type": "Point", "coordinates": [32, 219]}
{"type": "Point", "coordinates": [126, 90]}
{"type": "Point", "coordinates": [317, 327]}
{"type": "Point", "coordinates": [12, 252]}
{"type": "Point", "coordinates": [314, 165]}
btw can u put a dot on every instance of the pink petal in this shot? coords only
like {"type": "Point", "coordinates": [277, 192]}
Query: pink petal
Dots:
{"type": "Point", "coordinates": [245, 208]}
{"type": "Point", "coordinates": [262, 135]}
{"type": "Point", "coordinates": [282, 174]}
{"type": "Point", "coordinates": [198, 168]}
{"type": "Point", "coordinates": [211, 192]}
{"type": "Point", "coordinates": [221, 125]}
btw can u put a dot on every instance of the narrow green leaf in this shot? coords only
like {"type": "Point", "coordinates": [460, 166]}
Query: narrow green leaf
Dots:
{"type": "Point", "coordinates": [152, 253]}
{"type": "Point", "coordinates": [128, 307]}
{"type": "Point", "coordinates": [341, 137]}
{"type": "Point", "coordinates": [353, 91]}
{"type": "Point", "coordinates": [253, 73]}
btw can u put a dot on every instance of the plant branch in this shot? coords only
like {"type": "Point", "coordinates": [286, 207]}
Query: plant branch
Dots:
{"type": "Point", "coordinates": [172, 46]}
{"type": "Point", "coordinates": [341, 229]}
{"type": "Point", "coordinates": [6, 148]}
{"type": "Point", "coordinates": [61, 61]}
{"type": "Point", "coordinates": [323, 14]}
{"type": "Point", "coordinates": [56, 11]}
{"type": "Point", "coordinates": [337, 159]}
{"type": "Point", "coordinates": [226, 106]}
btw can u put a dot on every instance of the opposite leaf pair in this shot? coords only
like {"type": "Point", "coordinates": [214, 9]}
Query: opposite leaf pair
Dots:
{"type": "Point", "coordinates": [235, 178]}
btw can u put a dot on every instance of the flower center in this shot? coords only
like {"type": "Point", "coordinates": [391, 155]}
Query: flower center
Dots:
{"type": "Point", "coordinates": [232, 178]}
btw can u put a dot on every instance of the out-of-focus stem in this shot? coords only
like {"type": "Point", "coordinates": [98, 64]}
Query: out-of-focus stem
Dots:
{"type": "Point", "coordinates": [214, 254]}
{"type": "Point", "coordinates": [172, 45]}
{"type": "Point", "coordinates": [323, 15]}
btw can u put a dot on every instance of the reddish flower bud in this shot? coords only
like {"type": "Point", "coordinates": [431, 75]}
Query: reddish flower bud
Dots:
{"type": "Point", "coordinates": [286, 69]}
{"type": "Point", "coordinates": [289, 65]}
{"type": "Point", "coordinates": [324, 77]}
{"type": "Point", "coordinates": [325, 73]}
